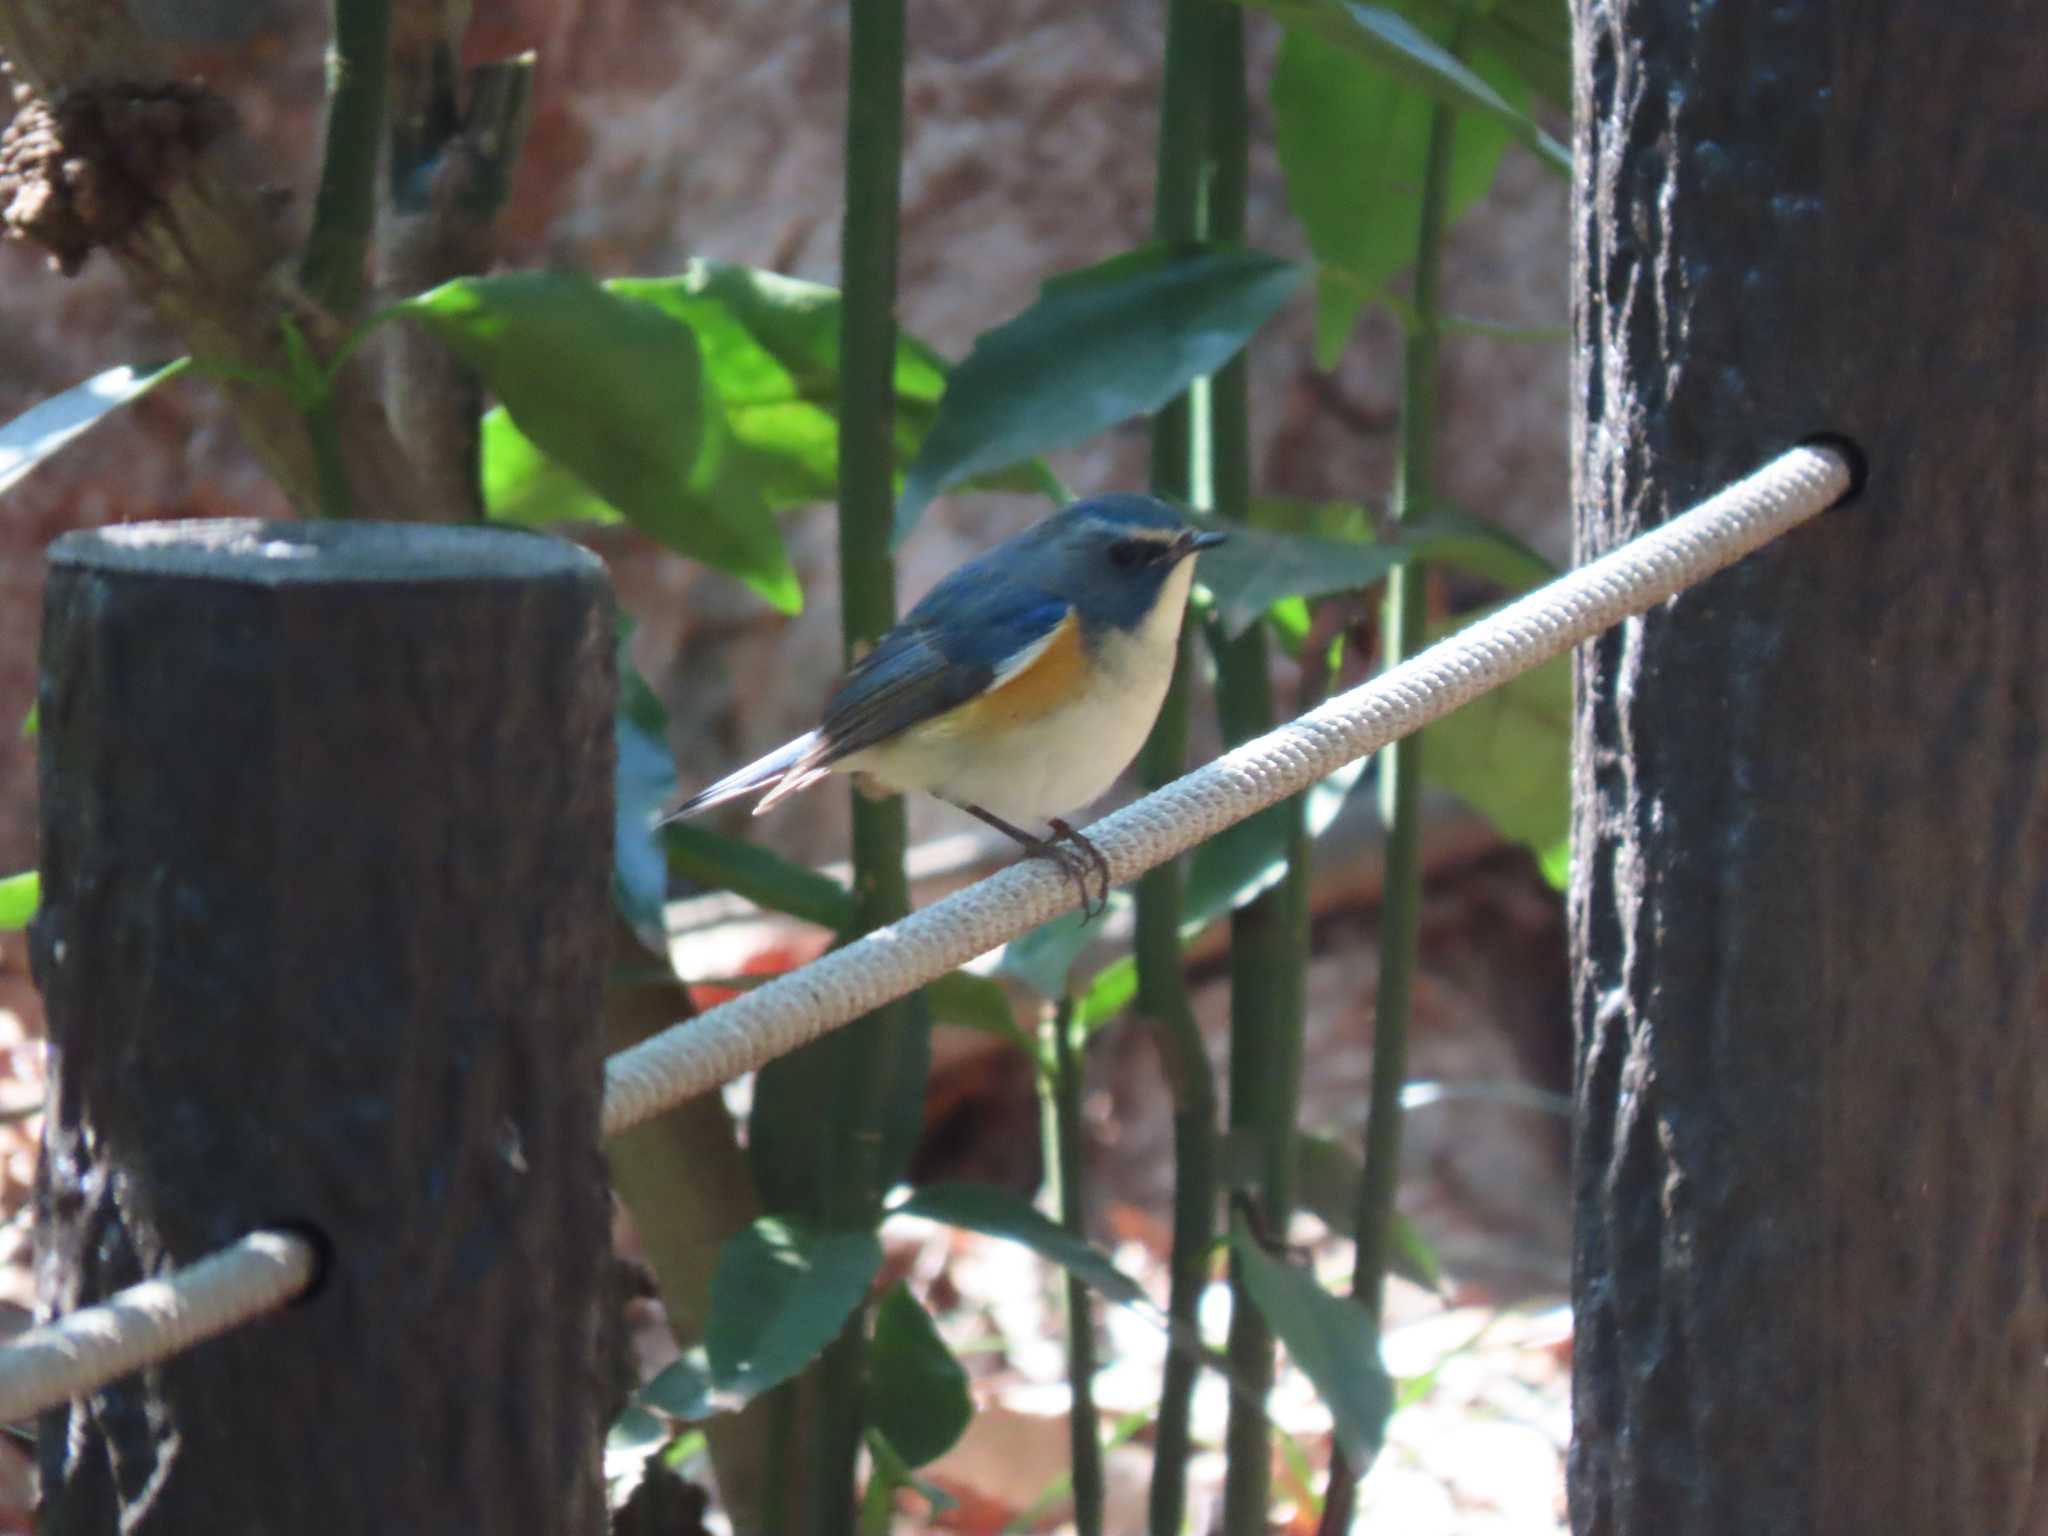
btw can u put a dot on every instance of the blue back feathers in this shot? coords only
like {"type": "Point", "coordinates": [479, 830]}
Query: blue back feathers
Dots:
{"type": "Point", "coordinates": [950, 646]}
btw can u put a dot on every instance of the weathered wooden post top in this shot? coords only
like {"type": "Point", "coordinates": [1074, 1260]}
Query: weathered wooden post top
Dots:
{"type": "Point", "coordinates": [327, 840]}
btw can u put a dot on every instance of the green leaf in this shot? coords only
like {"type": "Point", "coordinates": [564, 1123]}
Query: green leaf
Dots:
{"type": "Point", "coordinates": [684, 1389]}
{"type": "Point", "coordinates": [524, 487]}
{"type": "Point", "coordinates": [1241, 861]}
{"type": "Point", "coordinates": [1533, 37]}
{"type": "Point", "coordinates": [1290, 620]}
{"type": "Point", "coordinates": [1098, 348]}
{"type": "Point", "coordinates": [645, 780]}
{"type": "Point", "coordinates": [968, 1001]}
{"type": "Point", "coordinates": [1507, 754]}
{"type": "Point", "coordinates": [917, 1393]}
{"type": "Point", "coordinates": [1257, 568]}
{"type": "Point", "coordinates": [1043, 958]}
{"type": "Point", "coordinates": [1331, 1339]}
{"type": "Point", "coordinates": [1114, 989]}
{"type": "Point", "coordinates": [1448, 535]}
{"type": "Point", "coordinates": [1262, 567]}
{"type": "Point", "coordinates": [1354, 145]}
{"type": "Point", "coordinates": [614, 391]}
{"type": "Point", "coordinates": [53, 424]}
{"type": "Point", "coordinates": [781, 1293]}
{"type": "Point", "coordinates": [1387, 38]}
{"type": "Point", "coordinates": [765, 878]}
{"type": "Point", "coordinates": [20, 895]}
{"type": "Point", "coordinates": [771, 350]}
{"type": "Point", "coordinates": [997, 1213]}
{"type": "Point", "coordinates": [32, 722]}
{"type": "Point", "coordinates": [1237, 864]}
{"type": "Point", "coordinates": [893, 1473]}
{"type": "Point", "coordinates": [1411, 54]}
{"type": "Point", "coordinates": [636, 1432]}
{"type": "Point", "coordinates": [1328, 1175]}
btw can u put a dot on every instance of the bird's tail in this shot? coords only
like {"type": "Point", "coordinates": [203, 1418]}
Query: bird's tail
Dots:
{"type": "Point", "coordinates": [772, 773]}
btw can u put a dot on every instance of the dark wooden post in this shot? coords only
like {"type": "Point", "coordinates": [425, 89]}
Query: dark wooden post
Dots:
{"type": "Point", "coordinates": [326, 879]}
{"type": "Point", "coordinates": [1811, 902]}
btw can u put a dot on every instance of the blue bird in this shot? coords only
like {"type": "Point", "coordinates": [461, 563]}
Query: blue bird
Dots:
{"type": "Point", "coordinates": [1018, 688]}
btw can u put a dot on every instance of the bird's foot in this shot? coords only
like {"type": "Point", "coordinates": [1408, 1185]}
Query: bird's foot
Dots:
{"type": "Point", "coordinates": [1079, 860]}
{"type": "Point", "coordinates": [1096, 861]}
{"type": "Point", "coordinates": [1075, 866]}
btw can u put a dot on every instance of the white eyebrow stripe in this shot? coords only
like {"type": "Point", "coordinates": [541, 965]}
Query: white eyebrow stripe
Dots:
{"type": "Point", "coordinates": [1125, 530]}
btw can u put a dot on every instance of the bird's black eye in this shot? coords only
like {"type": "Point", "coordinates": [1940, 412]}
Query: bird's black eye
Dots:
{"type": "Point", "coordinates": [1129, 554]}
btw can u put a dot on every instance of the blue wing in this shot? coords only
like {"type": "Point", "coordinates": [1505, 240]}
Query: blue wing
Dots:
{"type": "Point", "coordinates": [947, 650]}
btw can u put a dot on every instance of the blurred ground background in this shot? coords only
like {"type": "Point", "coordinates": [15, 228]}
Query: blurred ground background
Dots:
{"type": "Point", "coordinates": [712, 128]}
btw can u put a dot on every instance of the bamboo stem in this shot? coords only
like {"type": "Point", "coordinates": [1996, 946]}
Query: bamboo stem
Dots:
{"type": "Point", "coordinates": [867, 583]}
{"type": "Point", "coordinates": [345, 207]}
{"type": "Point", "coordinates": [1066, 1173]}
{"type": "Point", "coordinates": [1180, 469]}
{"type": "Point", "coordinates": [1400, 780]}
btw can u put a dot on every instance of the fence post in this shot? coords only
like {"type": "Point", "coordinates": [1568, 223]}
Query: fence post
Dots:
{"type": "Point", "coordinates": [327, 836]}
{"type": "Point", "coordinates": [1810, 899]}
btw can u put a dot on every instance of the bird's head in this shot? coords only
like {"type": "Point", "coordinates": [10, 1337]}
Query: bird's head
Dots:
{"type": "Point", "coordinates": [1112, 557]}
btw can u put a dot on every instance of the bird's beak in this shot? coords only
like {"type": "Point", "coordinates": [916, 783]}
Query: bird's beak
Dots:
{"type": "Point", "coordinates": [1192, 541]}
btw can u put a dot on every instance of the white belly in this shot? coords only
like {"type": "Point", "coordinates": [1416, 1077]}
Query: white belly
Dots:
{"type": "Point", "coordinates": [1064, 759]}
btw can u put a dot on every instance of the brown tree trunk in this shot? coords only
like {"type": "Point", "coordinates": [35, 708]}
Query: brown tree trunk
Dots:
{"type": "Point", "coordinates": [1810, 904]}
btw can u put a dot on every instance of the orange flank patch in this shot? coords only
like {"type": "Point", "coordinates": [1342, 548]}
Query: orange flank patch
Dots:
{"type": "Point", "coordinates": [1049, 679]}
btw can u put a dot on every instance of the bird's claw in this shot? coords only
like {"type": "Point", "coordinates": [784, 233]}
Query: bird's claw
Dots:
{"type": "Point", "coordinates": [1080, 858]}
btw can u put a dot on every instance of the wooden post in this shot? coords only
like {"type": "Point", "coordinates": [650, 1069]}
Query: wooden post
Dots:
{"type": "Point", "coordinates": [327, 837]}
{"type": "Point", "coordinates": [1810, 904]}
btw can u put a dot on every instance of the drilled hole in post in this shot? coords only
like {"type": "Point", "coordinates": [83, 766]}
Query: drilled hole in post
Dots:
{"type": "Point", "coordinates": [323, 1255]}
{"type": "Point", "coordinates": [1851, 452]}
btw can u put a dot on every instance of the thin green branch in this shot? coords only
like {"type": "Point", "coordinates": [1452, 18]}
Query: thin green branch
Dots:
{"type": "Point", "coordinates": [1066, 1173]}
{"type": "Point", "coordinates": [1400, 770]}
{"type": "Point", "coordinates": [329, 460]}
{"type": "Point", "coordinates": [867, 574]}
{"type": "Point", "coordinates": [874, 1046]}
{"type": "Point", "coordinates": [1268, 937]}
{"type": "Point", "coordinates": [345, 207]}
{"type": "Point", "coordinates": [1180, 469]}
{"type": "Point", "coordinates": [1163, 1000]}
{"type": "Point", "coordinates": [1405, 311]}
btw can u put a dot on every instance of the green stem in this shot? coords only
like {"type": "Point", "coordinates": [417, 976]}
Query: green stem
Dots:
{"type": "Point", "coordinates": [1268, 936]}
{"type": "Point", "coordinates": [1269, 941]}
{"type": "Point", "coordinates": [1400, 780]}
{"type": "Point", "coordinates": [1163, 1000]}
{"type": "Point", "coordinates": [345, 207]}
{"type": "Point", "coordinates": [1180, 469]}
{"type": "Point", "coordinates": [329, 461]}
{"type": "Point", "coordinates": [877, 1044]}
{"type": "Point", "coordinates": [1063, 1160]}
{"type": "Point", "coordinates": [878, 1509]}
{"type": "Point", "coordinates": [778, 1497]}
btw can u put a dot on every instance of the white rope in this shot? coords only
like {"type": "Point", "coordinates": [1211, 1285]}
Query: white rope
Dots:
{"type": "Point", "coordinates": [84, 1350]}
{"type": "Point", "coordinates": [150, 1322]}
{"type": "Point", "coordinates": [698, 1055]}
